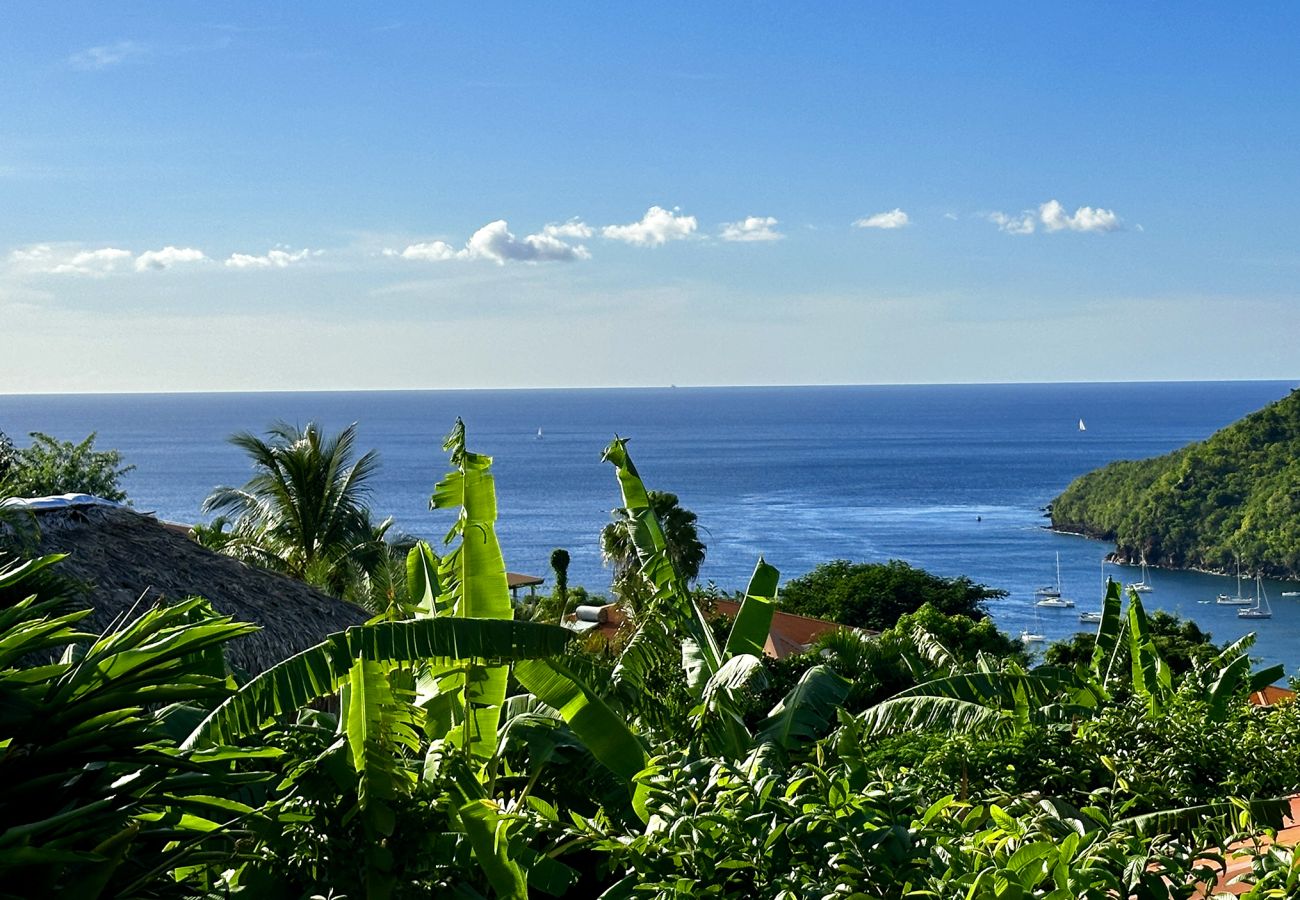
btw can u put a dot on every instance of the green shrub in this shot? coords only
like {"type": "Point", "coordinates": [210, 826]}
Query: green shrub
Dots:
{"type": "Point", "coordinates": [50, 466]}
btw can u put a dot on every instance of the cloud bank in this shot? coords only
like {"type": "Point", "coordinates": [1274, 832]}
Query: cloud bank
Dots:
{"type": "Point", "coordinates": [279, 258]}
{"type": "Point", "coordinates": [44, 259]}
{"type": "Point", "coordinates": [167, 257]}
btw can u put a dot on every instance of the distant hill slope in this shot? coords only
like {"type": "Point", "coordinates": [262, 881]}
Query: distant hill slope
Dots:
{"type": "Point", "coordinates": [1236, 492]}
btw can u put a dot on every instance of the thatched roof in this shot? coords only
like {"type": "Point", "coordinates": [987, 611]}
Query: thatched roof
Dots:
{"type": "Point", "coordinates": [123, 556]}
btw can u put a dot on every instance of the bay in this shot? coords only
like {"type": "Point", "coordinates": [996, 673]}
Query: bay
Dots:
{"type": "Point", "coordinates": [952, 478]}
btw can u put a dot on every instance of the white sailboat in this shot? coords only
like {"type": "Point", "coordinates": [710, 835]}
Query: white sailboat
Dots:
{"type": "Point", "coordinates": [1145, 584]}
{"type": "Point", "coordinates": [1239, 600]}
{"type": "Point", "coordinates": [1261, 609]}
{"type": "Point", "coordinates": [1094, 617]}
{"type": "Point", "coordinates": [1082, 427]}
{"type": "Point", "coordinates": [1052, 599]}
{"type": "Point", "coordinates": [539, 434]}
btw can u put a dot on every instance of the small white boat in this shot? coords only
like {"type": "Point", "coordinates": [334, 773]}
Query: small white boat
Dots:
{"type": "Point", "coordinates": [1055, 603]}
{"type": "Point", "coordinates": [1031, 637]}
{"type": "Point", "coordinates": [1082, 427]}
{"type": "Point", "coordinates": [1093, 618]}
{"type": "Point", "coordinates": [539, 434]}
{"type": "Point", "coordinates": [1291, 593]}
{"type": "Point", "coordinates": [1261, 609]}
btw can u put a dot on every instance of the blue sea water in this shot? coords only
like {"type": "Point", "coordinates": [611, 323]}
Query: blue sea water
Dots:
{"type": "Point", "coordinates": [951, 478]}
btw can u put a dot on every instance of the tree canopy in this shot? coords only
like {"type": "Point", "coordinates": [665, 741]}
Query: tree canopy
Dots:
{"type": "Point", "coordinates": [51, 466]}
{"type": "Point", "coordinates": [874, 595]}
{"type": "Point", "coordinates": [1234, 495]}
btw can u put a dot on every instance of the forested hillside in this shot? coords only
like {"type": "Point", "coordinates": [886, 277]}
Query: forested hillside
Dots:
{"type": "Point", "coordinates": [1236, 493]}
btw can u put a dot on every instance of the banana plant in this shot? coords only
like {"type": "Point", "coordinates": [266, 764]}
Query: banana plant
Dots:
{"type": "Point", "coordinates": [420, 698]}
{"type": "Point", "coordinates": [715, 673]}
{"type": "Point", "coordinates": [671, 607]}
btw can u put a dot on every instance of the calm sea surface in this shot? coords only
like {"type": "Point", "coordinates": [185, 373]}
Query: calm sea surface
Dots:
{"type": "Point", "coordinates": [949, 478]}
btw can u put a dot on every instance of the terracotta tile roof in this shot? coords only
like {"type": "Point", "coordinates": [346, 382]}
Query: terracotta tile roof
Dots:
{"type": "Point", "coordinates": [790, 633]}
{"type": "Point", "coordinates": [1241, 862]}
{"type": "Point", "coordinates": [1271, 695]}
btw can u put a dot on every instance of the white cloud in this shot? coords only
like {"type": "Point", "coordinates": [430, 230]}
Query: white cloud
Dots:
{"type": "Point", "coordinates": [167, 257]}
{"type": "Point", "coordinates": [495, 242]}
{"type": "Point", "coordinates": [433, 251]}
{"type": "Point", "coordinates": [44, 259]}
{"type": "Point", "coordinates": [274, 259]}
{"type": "Point", "coordinates": [895, 218]}
{"type": "Point", "coordinates": [1053, 217]}
{"type": "Point", "coordinates": [1022, 224]}
{"type": "Point", "coordinates": [574, 228]}
{"type": "Point", "coordinates": [1085, 218]}
{"type": "Point", "coordinates": [752, 228]}
{"type": "Point", "coordinates": [95, 58]}
{"type": "Point", "coordinates": [950, 216]}
{"type": "Point", "coordinates": [657, 227]}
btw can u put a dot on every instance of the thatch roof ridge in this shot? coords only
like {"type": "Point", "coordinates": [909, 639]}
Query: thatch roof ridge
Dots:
{"type": "Point", "coordinates": [123, 555]}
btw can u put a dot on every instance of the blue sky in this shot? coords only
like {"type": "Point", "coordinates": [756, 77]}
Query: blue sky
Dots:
{"type": "Point", "coordinates": [435, 195]}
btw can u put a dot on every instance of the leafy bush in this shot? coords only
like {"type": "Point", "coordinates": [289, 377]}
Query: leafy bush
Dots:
{"type": "Point", "coordinates": [50, 466]}
{"type": "Point", "coordinates": [874, 595]}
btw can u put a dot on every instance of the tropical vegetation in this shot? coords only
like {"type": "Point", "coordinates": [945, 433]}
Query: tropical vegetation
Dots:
{"type": "Point", "coordinates": [874, 595]}
{"type": "Point", "coordinates": [446, 747]}
{"type": "Point", "coordinates": [681, 533]}
{"type": "Point", "coordinates": [304, 513]}
{"type": "Point", "coordinates": [49, 466]}
{"type": "Point", "coordinates": [1232, 497]}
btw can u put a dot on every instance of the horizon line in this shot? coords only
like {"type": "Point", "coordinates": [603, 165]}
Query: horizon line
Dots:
{"type": "Point", "coordinates": [646, 387]}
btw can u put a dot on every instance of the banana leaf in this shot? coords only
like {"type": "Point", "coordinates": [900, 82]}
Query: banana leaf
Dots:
{"type": "Point", "coordinates": [601, 729]}
{"type": "Point", "coordinates": [804, 713]}
{"type": "Point", "coordinates": [1108, 633]}
{"type": "Point", "coordinates": [672, 597]}
{"type": "Point", "coordinates": [754, 620]}
{"type": "Point", "coordinates": [473, 578]}
{"type": "Point", "coordinates": [321, 670]}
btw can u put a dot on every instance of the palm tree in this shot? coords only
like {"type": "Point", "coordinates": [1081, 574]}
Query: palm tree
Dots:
{"type": "Point", "coordinates": [303, 512]}
{"type": "Point", "coordinates": [681, 536]}
{"type": "Point", "coordinates": [560, 564]}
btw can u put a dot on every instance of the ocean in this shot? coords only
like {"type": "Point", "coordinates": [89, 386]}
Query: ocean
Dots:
{"type": "Point", "coordinates": [951, 478]}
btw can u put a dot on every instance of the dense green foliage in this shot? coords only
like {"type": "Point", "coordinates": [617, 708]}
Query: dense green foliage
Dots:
{"type": "Point", "coordinates": [1181, 643]}
{"type": "Point", "coordinates": [446, 748]}
{"type": "Point", "coordinates": [1234, 495]}
{"type": "Point", "coordinates": [874, 595]}
{"type": "Point", "coordinates": [50, 466]}
{"type": "Point", "coordinates": [880, 666]}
